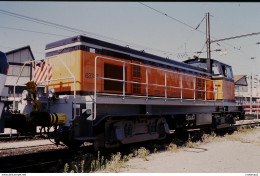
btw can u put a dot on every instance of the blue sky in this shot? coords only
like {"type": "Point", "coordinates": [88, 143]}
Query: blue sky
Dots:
{"type": "Point", "coordinates": [141, 28]}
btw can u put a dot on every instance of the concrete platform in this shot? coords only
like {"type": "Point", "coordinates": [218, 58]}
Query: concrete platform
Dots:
{"type": "Point", "coordinates": [15, 144]}
{"type": "Point", "coordinates": [244, 122]}
{"type": "Point", "coordinates": [13, 131]}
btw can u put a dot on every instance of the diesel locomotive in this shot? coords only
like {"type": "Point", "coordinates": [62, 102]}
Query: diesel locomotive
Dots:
{"type": "Point", "coordinates": [112, 95]}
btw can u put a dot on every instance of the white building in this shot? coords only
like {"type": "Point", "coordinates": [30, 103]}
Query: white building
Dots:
{"type": "Point", "coordinates": [16, 59]}
{"type": "Point", "coordinates": [245, 88]}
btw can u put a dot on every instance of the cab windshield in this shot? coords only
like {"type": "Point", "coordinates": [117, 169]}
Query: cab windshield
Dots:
{"type": "Point", "coordinates": [227, 71]}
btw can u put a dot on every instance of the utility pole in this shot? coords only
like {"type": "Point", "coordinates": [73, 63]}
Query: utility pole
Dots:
{"type": "Point", "coordinates": [257, 103]}
{"type": "Point", "coordinates": [251, 92]}
{"type": "Point", "coordinates": [208, 43]}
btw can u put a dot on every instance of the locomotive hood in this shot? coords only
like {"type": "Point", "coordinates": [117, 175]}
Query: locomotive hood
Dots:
{"type": "Point", "coordinates": [102, 47]}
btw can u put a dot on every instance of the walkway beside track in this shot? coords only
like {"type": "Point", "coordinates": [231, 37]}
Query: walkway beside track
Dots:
{"type": "Point", "coordinates": [15, 144]}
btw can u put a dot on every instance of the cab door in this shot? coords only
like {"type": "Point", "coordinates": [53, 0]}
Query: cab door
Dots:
{"type": "Point", "coordinates": [224, 81]}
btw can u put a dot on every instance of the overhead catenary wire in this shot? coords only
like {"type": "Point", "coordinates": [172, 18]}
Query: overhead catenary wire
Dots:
{"type": "Point", "coordinates": [233, 48]}
{"type": "Point", "coordinates": [175, 19]}
{"type": "Point", "coordinates": [40, 21]}
{"type": "Point", "coordinates": [8, 47]}
{"type": "Point", "coordinates": [52, 34]}
{"type": "Point", "coordinates": [201, 49]}
{"type": "Point", "coordinates": [38, 32]}
{"type": "Point", "coordinates": [239, 36]}
{"type": "Point", "coordinates": [75, 30]}
{"type": "Point", "coordinates": [196, 29]}
{"type": "Point", "coordinates": [44, 22]}
{"type": "Point", "coordinates": [200, 23]}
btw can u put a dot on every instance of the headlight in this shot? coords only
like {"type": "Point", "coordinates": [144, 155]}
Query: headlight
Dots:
{"type": "Point", "coordinates": [51, 92]}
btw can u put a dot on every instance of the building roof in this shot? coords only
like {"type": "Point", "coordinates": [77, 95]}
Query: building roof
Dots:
{"type": "Point", "coordinates": [240, 80]}
{"type": "Point", "coordinates": [16, 59]}
{"type": "Point", "coordinates": [19, 49]}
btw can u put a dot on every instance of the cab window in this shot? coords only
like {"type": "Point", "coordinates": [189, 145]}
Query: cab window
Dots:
{"type": "Point", "coordinates": [215, 70]}
{"type": "Point", "coordinates": [227, 71]}
{"type": "Point", "coordinates": [224, 70]}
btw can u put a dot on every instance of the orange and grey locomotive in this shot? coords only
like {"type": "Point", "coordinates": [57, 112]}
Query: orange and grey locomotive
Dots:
{"type": "Point", "coordinates": [112, 95]}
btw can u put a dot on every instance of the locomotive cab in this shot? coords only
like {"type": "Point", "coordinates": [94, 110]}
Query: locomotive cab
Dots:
{"type": "Point", "coordinates": [221, 70]}
{"type": "Point", "coordinates": [222, 76]}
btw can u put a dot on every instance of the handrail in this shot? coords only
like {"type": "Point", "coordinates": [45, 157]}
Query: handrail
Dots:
{"type": "Point", "coordinates": [74, 78]}
{"type": "Point", "coordinates": [147, 66]}
{"type": "Point", "coordinates": [124, 81]}
{"type": "Point", "coordinates": [71, 75]}
{"type": "Point", "coordinates": [48, 80]}
{"type": "Point", "coordinates": [16, 84]}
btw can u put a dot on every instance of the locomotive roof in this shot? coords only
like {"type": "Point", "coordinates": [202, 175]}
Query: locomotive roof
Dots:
{"type": "Point", "coordinates": [118, 48]}
{"type": "Point", "coordinates": [202, 60]}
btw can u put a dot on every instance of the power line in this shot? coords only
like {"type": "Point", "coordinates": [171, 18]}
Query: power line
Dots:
{"type": "Point", "coordinates": [40, 21]}
{"type": "Point", "coordinates": [196, 29]}
{"type": "Point", "coordinates": [26, 30]}
{"type": "Point", "coordinates": [201, 49]}
{"type": "Point", "coordinates": [200, 23]}
{"type": "Point", "coordinates": [179, 21]}
{"type": "Point", "coordinates": [75, 30]}
{"type": "Point", "coordinates": [8, 47]}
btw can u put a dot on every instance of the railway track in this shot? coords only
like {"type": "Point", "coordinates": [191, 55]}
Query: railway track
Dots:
{"type": "Point", "coordinates": [39, 162]}
{"type": "Point", "coordinates": [33, 162]}
{"type": "Point", "coordinates": [49, 160]}
{"type": "Point", "coordinates": [15, 137]}
{"type": "Point", "coordinates": [18, 137]}
{"type": "Point", "coordinates": [25, 147]}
